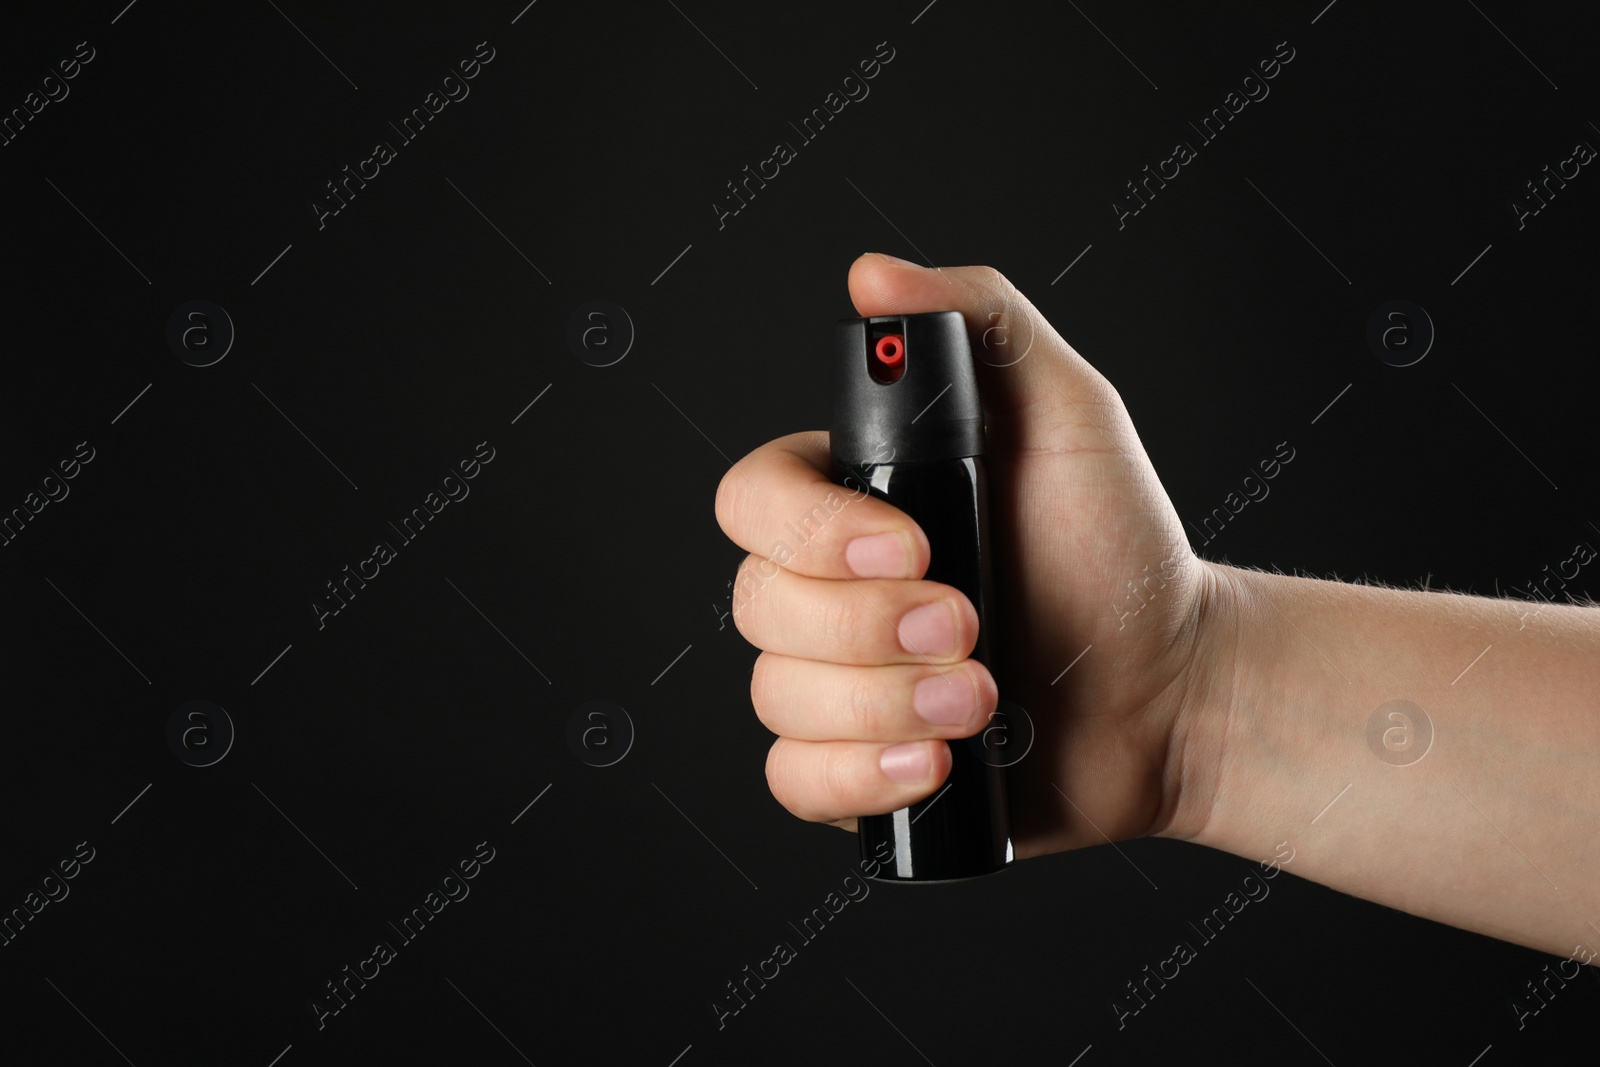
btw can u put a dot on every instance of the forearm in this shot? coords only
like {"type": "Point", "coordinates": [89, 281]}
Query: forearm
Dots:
{"type": "Point", "coordinates": [1493, 828]}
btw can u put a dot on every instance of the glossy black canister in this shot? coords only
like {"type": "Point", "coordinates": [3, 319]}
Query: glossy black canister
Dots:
{"type": "Point", "coordinates": [908, 428]}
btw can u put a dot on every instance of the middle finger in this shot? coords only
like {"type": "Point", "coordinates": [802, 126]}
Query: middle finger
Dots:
{"type": "Point", "coordinates": [862, 621]}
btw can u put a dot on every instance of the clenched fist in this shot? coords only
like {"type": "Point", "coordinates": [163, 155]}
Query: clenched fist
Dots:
{"type": "Point", "coordinates": [864, 673]}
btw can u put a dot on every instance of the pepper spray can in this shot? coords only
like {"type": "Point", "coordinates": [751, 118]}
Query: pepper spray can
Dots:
{"type": "Point", "coordinates": [908, 428]}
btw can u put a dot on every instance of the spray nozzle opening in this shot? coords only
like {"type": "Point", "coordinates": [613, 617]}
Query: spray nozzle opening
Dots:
{"type": "Point", "coordinates": [890, 349]}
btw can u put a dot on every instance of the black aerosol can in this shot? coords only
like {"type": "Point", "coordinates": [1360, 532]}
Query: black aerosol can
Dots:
{"type": "Point", "coordinates": [907, 426]}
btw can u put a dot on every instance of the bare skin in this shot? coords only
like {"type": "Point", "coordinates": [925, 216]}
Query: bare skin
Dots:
{"type": "Point", "coordinates": [1214, 704]}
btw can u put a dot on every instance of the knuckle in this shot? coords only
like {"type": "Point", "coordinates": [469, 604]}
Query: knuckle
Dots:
{"type": "Point", "coordinates": [776, 782]}
{"type": "Point", "coordinates": [780, 778]}
{"type": "Point", "coordinates": [1103, 394]}
{"type": "Point", "coordinates": [741, 599]}
{"type": "Point", "coordinates": [859, 705]}
{"type": "Point", "coordinates": [764, 691]}
{"type": "Point", "coordinates": [820, 532]}
{"type": "Point", "coordinates": [730, 500]}
{"type": "Point", "coordinates": [838, 620]}
{"type": "Point", "coordinates": [996, 280]}
{"type": "Point", "coordinates": [836, 780]}
{"type": "Point", "coordinates": [748, 583]}
{"type": "Point", "coordinates": [1005, 293]}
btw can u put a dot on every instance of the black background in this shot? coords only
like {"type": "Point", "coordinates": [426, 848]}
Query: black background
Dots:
{"type": "Point", "coordinates": [428, 714]}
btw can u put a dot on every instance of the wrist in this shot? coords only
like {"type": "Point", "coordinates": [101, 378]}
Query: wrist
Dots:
{"type": "Point", "coordinates": [1199, 776]}
{"type": "Point", "coordinates": [1253, 742]}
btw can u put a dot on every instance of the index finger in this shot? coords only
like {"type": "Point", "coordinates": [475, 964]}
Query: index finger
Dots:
{"type": "Point", "coordinates": [781, 502]}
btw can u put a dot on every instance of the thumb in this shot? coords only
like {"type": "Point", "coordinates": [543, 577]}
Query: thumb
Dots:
{"type": "Point", "coordinates": [1045, 394]}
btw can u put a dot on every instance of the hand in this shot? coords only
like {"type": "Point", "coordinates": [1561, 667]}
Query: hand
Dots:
{"type": "Point", "coordinates": [1090, 554]}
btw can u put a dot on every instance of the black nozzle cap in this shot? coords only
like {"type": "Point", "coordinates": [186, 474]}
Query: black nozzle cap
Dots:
{"type": "Point", "coordinates": [929, 412]}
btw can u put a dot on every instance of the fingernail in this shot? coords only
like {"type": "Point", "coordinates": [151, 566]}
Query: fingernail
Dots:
{"type": "Point", "coordinates": [945, 699]}
{"type": "Point", "coordinates": [929, 630]}
{"type": "Point", "coordinates": [897, 259]}
{"type": "Point", "coordinates": [908, 762]}
{"type": "Point", "coordinates": [878, 556]}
